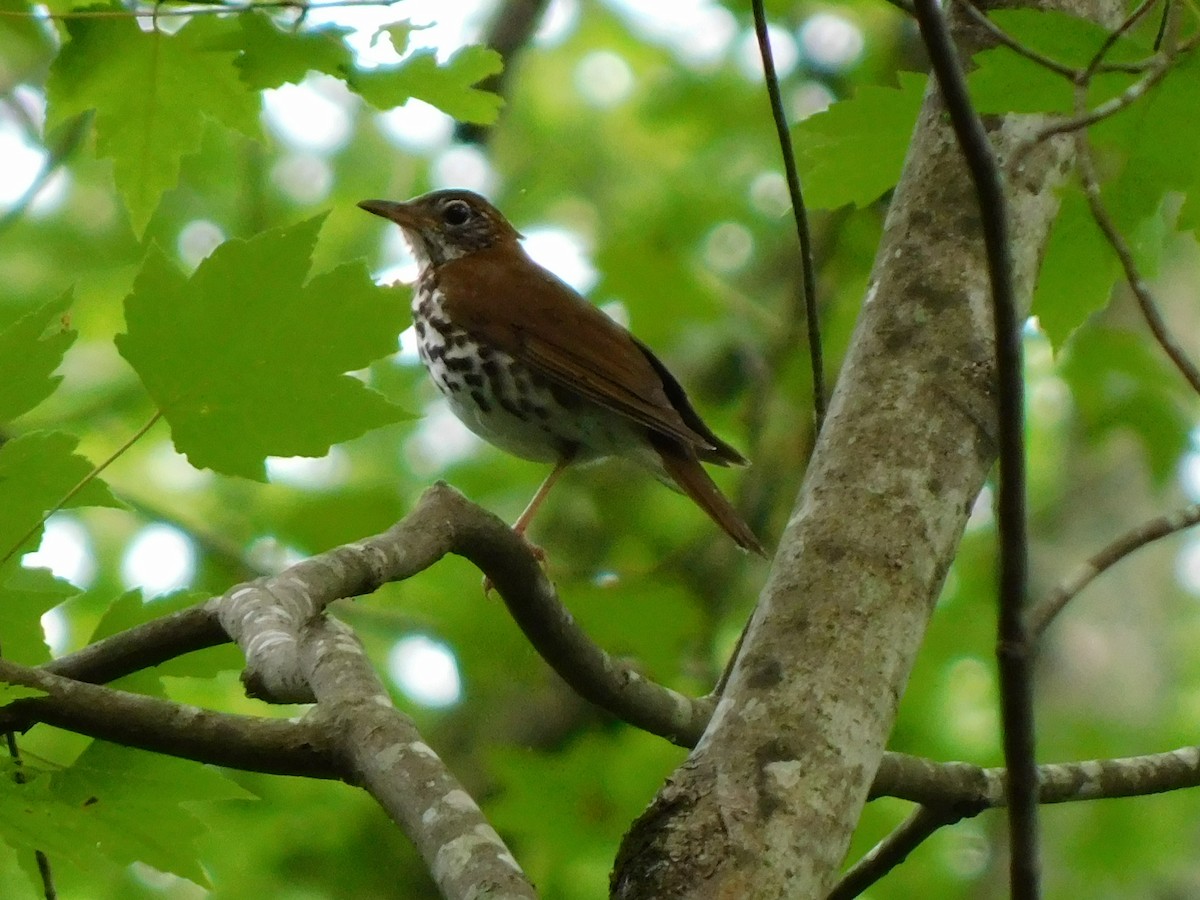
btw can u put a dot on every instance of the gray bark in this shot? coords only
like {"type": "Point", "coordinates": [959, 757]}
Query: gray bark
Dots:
{"type": "Point", "coordinates": [766, 804]}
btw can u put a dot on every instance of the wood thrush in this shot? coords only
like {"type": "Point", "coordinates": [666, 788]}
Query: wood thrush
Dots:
{"type": "Point", "coordinates": [531, 367]}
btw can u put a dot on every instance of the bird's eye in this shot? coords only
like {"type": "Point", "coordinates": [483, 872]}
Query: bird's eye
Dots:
{"type": "Point", "coordinates": [456, 212]}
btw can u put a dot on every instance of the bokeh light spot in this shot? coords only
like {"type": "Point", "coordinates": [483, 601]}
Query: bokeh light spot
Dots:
{"type": "Point", "coordinates": [159, 559]}
{"type": "Point", "coordinates": [425, 670]}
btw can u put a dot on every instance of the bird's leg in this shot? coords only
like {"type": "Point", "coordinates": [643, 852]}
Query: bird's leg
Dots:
{"type": "Point", "coordinates": [526, 517]}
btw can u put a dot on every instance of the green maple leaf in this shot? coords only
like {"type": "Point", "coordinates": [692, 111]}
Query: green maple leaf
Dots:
{"type": "Point", "coordinates": [30, 350]}
{"type": "Point", "coordinates": [853, 152]}
{"type": "Point", "coordinates": [36, 471]}
{"type": "Point", "coordinates": [269, 57]}
{"type": "Point", "coordinates": [114, 806]}
{"type": "Point", "coordinates": [246, 360]}
{"type": "Point", "coordinates": [1078, 271]}
{"type": "Point", "coordinates": [153, 94]}
{"type": "Point", "coordinates": [448, 85]}
{"type": "Point", "coordinates": [25, 596]}
{"type": "Point", "coordinates": [1004, 81]}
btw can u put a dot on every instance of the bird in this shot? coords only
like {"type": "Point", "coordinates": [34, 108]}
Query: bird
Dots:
{"type": "Point", "coordinates": [533, 368]}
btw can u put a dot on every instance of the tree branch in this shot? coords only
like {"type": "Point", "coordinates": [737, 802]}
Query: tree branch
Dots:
{"type": "Point", "coordinates": [442, 522]}
{"type": "Point", "coordinates": [947, 784]}
{"type": "Point", "coordinates": [950, 792]}
{"type": "Point", "coordinates": [512, 26]}
{"type": "Point", "coordinates": [380, 749]}
{"type": "Point", "coordinates": [895, 848]}
{"type": "Point", "coordinates": [273, 746]}
{"type": "Point", "coordinates": [1014, 644]}
{"type": "Point", "coordinates": [799, 213]}
{"type": "Point", "coordinates": [1147, 532]}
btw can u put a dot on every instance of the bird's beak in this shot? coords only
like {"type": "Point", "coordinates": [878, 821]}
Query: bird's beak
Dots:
{"type": "Point", "coordinates": [403, 214]}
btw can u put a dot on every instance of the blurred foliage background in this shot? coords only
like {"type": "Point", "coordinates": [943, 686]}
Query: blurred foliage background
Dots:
{"type": "Point", "coordinates": [635, 150]}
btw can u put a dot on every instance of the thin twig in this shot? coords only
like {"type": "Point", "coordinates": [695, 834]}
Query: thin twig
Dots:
{"type": "Point", "coordinates": [895, 848]}
{"type": "Point", "coordinates": [1115, 35]}
{"type": "Point", "coordinates": [1014, 648]}
{"type": "Point", "coordinates": [1134, 539]}
{"type": "Point", "coordinates": [1155, 72]}
{"type": "Point", "coordinates": [799, 212]}
{"type": "Point", "coordinates": [1133, 275]}
{"type": "Point", "coordinates": [81, 484]}
{"type": "Point", "coordinates": [190, 10]}
{"type": "Point", "coordinates": [1000, 36]}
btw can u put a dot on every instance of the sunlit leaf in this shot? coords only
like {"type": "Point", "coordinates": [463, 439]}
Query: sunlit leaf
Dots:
{"type": "Point", "coordinates": [271, 57]}
{"type": "Point", "coordinates": [448, 85]}
{"type": "Point", "coordinates": [246, 360]}
{"type": "Point", "coordinates": [30, 350]}
{"type": "Point", "coordinates": [152, 93]}
{"type": "Point", "coordinates": [37, 471]}
{"type": "Point", "coordinates": [25, 595]}
{"type": "Point", "coordinates": [1078, 271]}
{"type": "Point", "coordinates": [852, 152]}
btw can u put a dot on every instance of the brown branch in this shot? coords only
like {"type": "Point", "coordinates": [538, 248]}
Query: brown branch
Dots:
{"type": "Point", "coordinates": [1014, 643]}
{"type": "Point", "coordinates": [442, 522]}
{"type": "Point", "coordinates": [1000, 36]}
{"type": "Point", "coordinates": [950, 792]}
{"type": "Point", "coordinates": [143, 646]}
{"type": "Point", "coordinates": [895, 848]}
{"type": "Point", "coordinates": [273, 746]}
{"type": "Point", "coordinates": [512, 26]}
{"type": "Point", "coordinates": [1085, 573]}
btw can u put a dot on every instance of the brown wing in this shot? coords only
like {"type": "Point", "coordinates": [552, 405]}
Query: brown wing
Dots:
{"type": "Point", "coordinates": [564, 338]}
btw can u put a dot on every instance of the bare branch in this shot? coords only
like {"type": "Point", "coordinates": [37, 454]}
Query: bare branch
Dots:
{"type": "Point", "coordinates": [1014, 646]}
{"type": "Point", "coordinates": [442, 522]}
{"type": "Point", "coordinates": [381, 750]}
{"type": "Point", "coordinates": [1133, 276]}
{"type": "Point", "coordinates": [143, 646]}
{"type": "Point", "coordinates": [895, 848]}
{"type": "Point", "coordinates": [947, 784]}
{"type": "Point", "coordinates": [1147, 532]}
{"type": "Point", "coordinates": [273, 746]}
{"type": "Point", "coordinates": [951, 792]}
{"type": "Point", "coordinates": [799, 213]}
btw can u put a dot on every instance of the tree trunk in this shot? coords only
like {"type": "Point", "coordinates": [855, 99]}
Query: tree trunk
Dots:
{"type": "Point", "coordinates": [766, 804]}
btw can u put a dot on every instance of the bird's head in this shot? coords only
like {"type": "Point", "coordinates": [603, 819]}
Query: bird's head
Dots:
{"type": "Point", "coordinates": [445, 225]}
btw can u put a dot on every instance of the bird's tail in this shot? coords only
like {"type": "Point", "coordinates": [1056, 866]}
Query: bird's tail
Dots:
{"type": "Point", "coordinates": [688, 474]}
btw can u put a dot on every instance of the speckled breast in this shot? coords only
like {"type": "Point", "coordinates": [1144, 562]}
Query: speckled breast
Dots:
{"type": "Point", "coordinates": [507, 404]}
